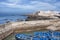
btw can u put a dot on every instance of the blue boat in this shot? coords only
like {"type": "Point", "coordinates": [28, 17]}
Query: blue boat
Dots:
{"type": "Point", "coordinates": [49, 35]}
{"type": "Point", "coordinates": [57, 34]}
{"type": "Point", "coordinates": [20, 37]}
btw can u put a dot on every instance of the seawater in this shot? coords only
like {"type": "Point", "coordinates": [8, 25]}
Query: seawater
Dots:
{"type": "Point", "coordinates": [3, 19]}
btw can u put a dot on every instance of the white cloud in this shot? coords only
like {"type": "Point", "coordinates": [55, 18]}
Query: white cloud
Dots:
{"type": "Point", "coordinates": [13, 5]}
{"type": "Point", "coordinates": [43, 5]}
{"type": "Point", "coordinates": [16, 1]}
{"type": "Point", "coordinates": [33, 5]}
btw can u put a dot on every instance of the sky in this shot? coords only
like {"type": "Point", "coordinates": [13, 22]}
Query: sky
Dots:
{"type": "Point", "coordinates": [24, 6]}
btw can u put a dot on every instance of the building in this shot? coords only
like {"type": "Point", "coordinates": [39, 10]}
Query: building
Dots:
{"type": "Point", "coordinates": [43, 15]}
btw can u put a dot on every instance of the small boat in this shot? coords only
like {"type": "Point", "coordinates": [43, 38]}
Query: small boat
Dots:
{"type": "Point", "coordinates": [49, 35]}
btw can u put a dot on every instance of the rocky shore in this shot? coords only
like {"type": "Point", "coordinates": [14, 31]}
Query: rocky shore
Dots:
{"type": "Point", "coordinates": [31, 25]}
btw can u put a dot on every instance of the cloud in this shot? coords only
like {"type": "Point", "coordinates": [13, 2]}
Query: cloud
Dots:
{"type": "Point", "coordinates": [13, 5]}
{"type": "Point", "coordinates": [43, 5]}
{"type": "Point", "coordinates": [34, 5]}
{"type": "Point", "coordinates": [30, 5]}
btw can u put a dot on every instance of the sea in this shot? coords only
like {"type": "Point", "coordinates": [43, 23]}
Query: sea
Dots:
{"type": "Point", "coordinates": [10, 17]}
